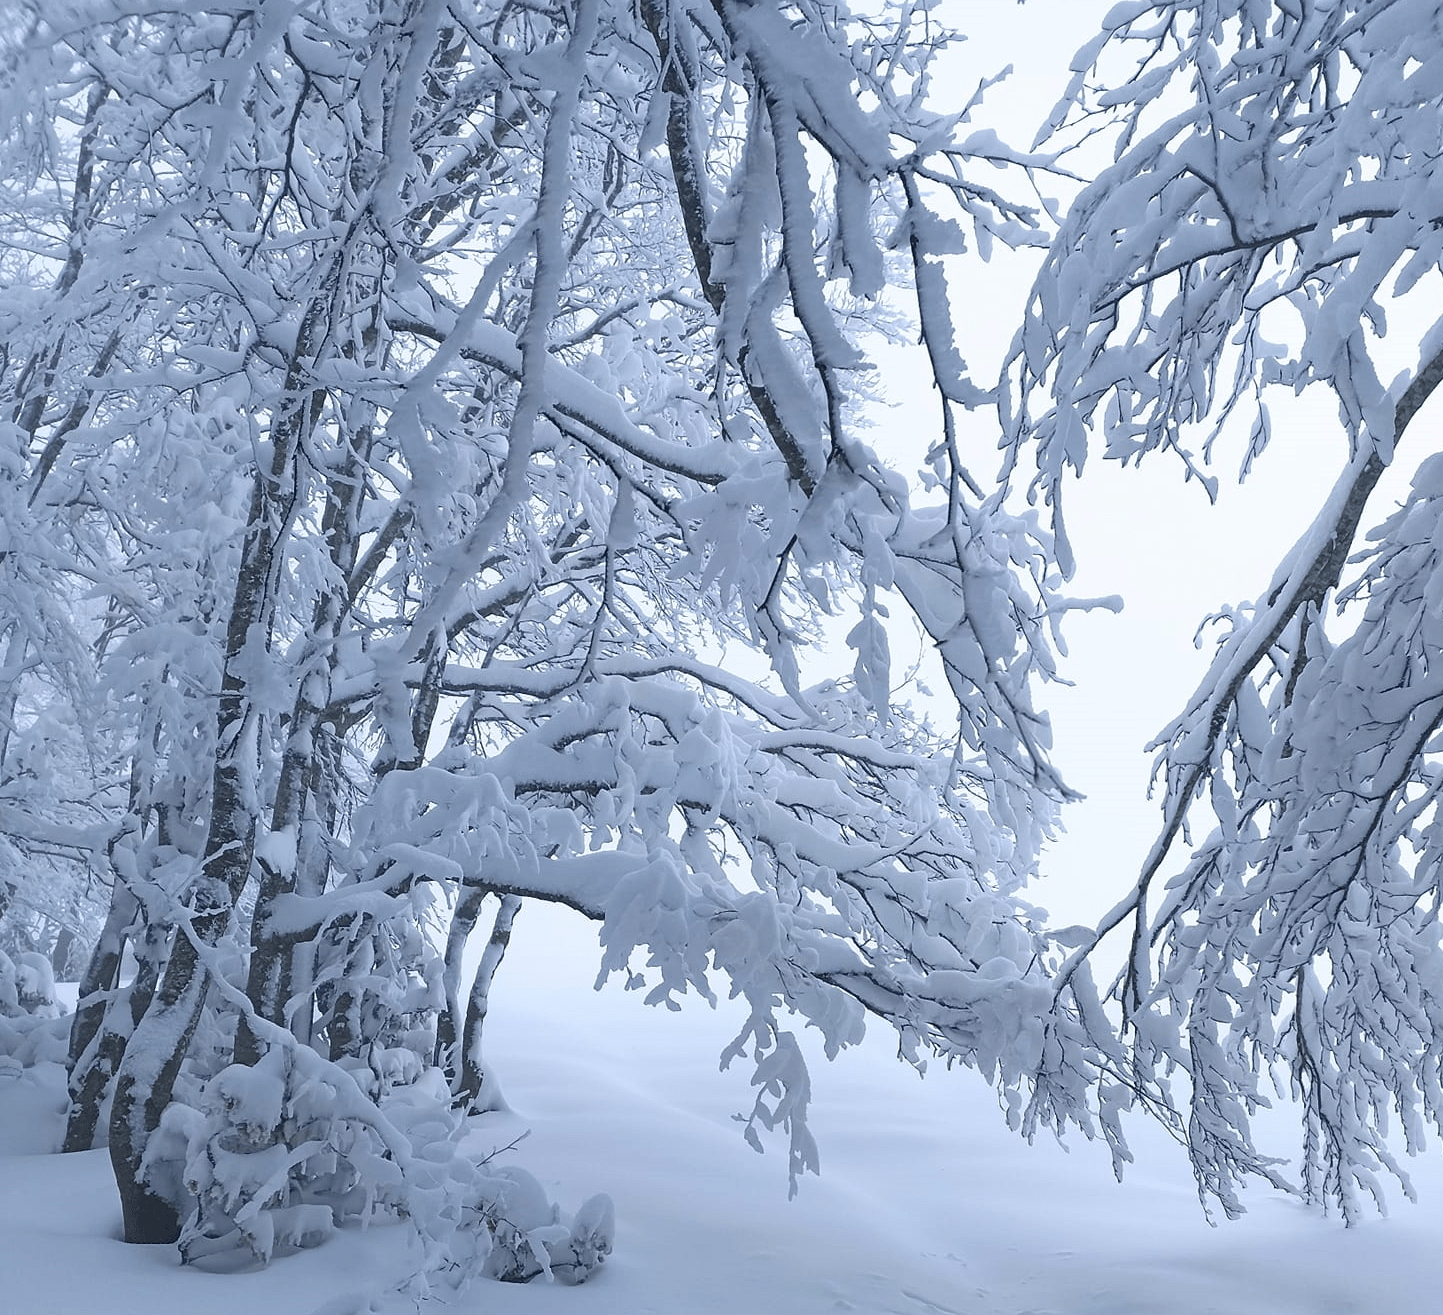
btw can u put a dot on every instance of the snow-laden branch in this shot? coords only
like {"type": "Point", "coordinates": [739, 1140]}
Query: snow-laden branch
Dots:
{"type": "Point", "coordinates": [1297, 941]}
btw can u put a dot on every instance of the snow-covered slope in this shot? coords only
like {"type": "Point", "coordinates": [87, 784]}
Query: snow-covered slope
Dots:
{"type": "Point", "coordinates": [926, 1203]}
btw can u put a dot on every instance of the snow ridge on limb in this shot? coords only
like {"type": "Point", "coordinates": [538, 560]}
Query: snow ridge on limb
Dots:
{"type": "Point", "coordinates": [1275, 188]}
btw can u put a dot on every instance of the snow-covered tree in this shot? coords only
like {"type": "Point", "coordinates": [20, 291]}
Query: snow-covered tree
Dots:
{"type": "Point", "coordinates": [1272, 219]}
{"type": "Point", "coordinates": [433, 467]}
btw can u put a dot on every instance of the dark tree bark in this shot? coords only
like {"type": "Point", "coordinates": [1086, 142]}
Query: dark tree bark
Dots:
{"type": "Point", "coordinates": [450, 1023]}
{"type": "Point", "coordinates": [96, 1044]}
{"type": "Point", "coordinates": [476, 1088]}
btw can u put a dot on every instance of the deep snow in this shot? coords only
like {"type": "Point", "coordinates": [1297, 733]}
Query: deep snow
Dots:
{"type": "Point", "coordinates": [927, 1204]}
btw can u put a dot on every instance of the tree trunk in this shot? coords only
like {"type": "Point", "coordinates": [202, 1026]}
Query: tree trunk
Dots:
{"type": "Point", "coordinates": [95, 1049]}
{"type": "Point", "coordinates": [153, 1058]}
{"type": "Point", "coordinates": [60, 954]}
{"type": "Point", "coordinates": [144, 1085]}
{"type": "Point", "coordinates": [303, 775]}
{"type": "Point", "coordinates": [477, 1090]}
{"type": "Point", "coordinates": [449, 1025]}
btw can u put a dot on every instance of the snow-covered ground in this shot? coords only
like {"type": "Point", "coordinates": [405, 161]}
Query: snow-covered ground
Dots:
{"type": "Point", "coordinates": [926, 1205]}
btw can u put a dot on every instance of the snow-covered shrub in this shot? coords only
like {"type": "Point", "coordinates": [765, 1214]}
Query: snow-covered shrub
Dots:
{"type": "Point", "coordinates": [285, 1151]}
{"type": "Point", "coordinates": [278, 1156]}
{"type": "Point", "coordinates": [528, 1236]}
{"type": "Point", "coordinates": [32, 1026]}
{"type": "Point", "coordinates": [30, 1039]}
{"type": "Point", "coordinates": [27, 986]}
{"type": "Point", "coordinates": [9, 987]}
{"type": "Point", "coordinates": [476, 1219]}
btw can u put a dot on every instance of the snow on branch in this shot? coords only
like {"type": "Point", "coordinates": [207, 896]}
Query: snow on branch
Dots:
{"type": "Point", "coordinates": [1272, 213]}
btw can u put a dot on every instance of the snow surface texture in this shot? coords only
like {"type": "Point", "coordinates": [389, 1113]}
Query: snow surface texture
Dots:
{"type": "Point", "coordinates": [926, 1205]}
